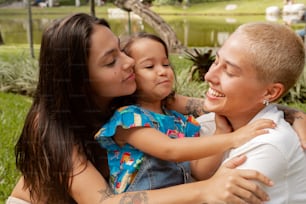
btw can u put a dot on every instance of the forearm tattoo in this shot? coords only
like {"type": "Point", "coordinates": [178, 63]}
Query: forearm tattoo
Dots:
{"type": "Point", "coordinates": [127, 198]}
{"type": "Point", "coordinates": [134, 198]}
{"type": "Point", "coordinates": [291, 114]}
{"type": "Point", "coordinates": [195, 107]}
{"type": "Point", "coordinates": [105, 194]}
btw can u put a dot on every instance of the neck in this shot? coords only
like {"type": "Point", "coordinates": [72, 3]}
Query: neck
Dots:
{"type": "Point", "coordinates": [238, 120]}
{"type": "Point", "coordinates": [152, 106]}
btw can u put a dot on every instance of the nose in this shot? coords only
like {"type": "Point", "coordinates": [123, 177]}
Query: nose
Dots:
{"type": "Point", "coordinates": [128, 62]}
{"type": "Point", "coordinates": [212, 74]}
{"type": "Point", "coordinates": [161, 70]}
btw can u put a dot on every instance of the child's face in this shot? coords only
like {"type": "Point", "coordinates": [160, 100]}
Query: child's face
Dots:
{"type": "Point", "coordinates": [154, 75]}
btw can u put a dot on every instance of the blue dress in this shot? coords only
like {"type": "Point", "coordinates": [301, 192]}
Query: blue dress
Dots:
{"type": "Point", "coordinates": [131, 169]}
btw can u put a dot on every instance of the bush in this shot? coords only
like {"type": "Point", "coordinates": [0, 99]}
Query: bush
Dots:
{"type": "Point", "coordinates": [19, 74]}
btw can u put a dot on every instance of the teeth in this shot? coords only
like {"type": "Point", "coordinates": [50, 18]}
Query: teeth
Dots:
{"type": "Point", "coordinates": [215, 93]}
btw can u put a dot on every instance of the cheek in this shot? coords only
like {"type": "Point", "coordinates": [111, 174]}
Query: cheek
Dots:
{"type": "Point", "coordinates": [104, 83]}
{"type": "Point", "coordinates": [242, 93]}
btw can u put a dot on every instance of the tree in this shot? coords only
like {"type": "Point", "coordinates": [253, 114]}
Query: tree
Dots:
{"type": "Point", "coordinates": [1, 39]}
{"type": "Point", "coordinates": [92, 8]}
{"type": "Point", "coordinates": [154, 20]}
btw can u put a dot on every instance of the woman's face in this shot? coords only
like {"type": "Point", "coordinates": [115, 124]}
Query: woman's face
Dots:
{"type": "Point", "coordinates": [154, 75]}
{"type": "Point", "coordinates": [234, 90]}
{"type": "Point", "coordinates": [110, 70]}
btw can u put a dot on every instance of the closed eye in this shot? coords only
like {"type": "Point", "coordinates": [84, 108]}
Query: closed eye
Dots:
{"type": "Point", "coordinates": [149, 66]}
{"type": "Point", "coordinates": [112, 63]}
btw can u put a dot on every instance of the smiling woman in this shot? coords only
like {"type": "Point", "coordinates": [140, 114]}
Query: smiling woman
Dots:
{"type": "Point", "coordinates": [257, 64]}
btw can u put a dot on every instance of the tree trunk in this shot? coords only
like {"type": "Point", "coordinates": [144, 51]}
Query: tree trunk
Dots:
{"type": "Point", "coordinates": [155, 21]}
{"type": "Point", "coordinates": [1, 39]}
{"type": "Point", "coordinates": [92, 8]}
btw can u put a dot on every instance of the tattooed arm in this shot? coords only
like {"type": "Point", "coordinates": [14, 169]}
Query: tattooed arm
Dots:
{"type": "Point", "coordinates": [298, 121]}
{"type": "Point", "coordinates": [187, 105]}
{"type": "Point", "coordinates": [195, 106]}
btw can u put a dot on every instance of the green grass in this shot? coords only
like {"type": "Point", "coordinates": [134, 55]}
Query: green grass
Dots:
{"type": "Point", "coordinates": [13, 109]}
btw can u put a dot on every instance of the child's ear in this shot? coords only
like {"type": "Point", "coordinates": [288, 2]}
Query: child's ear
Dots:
{"type": "Point", "coordinates": [274, 91]}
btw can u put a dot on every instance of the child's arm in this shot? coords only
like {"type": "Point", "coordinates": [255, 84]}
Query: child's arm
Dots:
{"type": "Point", "coordinates": [157, 144]}
{"type": "Point", "coordinates": [206, 167]}
{"type": "Point", "coordinates": [194, 106]}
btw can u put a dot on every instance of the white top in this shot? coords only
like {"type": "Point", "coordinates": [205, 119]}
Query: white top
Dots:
{"type": "Point", "coordinates": [13, 200]}
{"type": "Point", "coordinates": [278, 155]}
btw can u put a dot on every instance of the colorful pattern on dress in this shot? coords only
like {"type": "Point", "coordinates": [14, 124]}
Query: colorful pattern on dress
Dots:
{"type": "Point", "coordinates": [125, 161]}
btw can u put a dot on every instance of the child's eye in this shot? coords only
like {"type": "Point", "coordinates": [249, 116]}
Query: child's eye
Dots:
{"type": "Point", "coordinates": [149, 66]}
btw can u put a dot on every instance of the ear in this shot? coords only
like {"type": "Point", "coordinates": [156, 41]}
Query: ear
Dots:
{"type": "Point", "coordinates": [274, 91]}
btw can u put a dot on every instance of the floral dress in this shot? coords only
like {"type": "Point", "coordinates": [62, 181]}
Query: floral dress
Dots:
{"type": "Point", "coordinates": [125, 161]}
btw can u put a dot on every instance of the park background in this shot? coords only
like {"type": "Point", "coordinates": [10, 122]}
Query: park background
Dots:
{"type": "Point", "coordinates": [18, 68]}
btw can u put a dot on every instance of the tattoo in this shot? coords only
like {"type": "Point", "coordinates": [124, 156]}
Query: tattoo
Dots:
{"type": "Point", "coordinates": [289, 113]}
{"type": "Point", "coordinates": [134, 198]}
{"type": "Point", "coordinates": [105, 194]}
{"type": "Point", "coordinates": [195, 107]}
{"type": "Point", "coordinates": [127, 198]}
{"type": "Point", "coordinates": [299, 117]}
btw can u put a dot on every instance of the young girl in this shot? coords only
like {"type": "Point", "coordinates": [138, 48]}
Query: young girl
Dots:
{"type": "Point", "coordinates": [139, 156]}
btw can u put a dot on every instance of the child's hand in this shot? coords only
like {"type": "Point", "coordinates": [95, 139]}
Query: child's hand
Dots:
{"type": "Point", "coordinates": [222, 125]}
{"type": "Point", "coordinates": [247, 132]}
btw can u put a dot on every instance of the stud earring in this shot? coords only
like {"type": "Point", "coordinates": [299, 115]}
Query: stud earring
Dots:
{"type": "Point", "coordinates": [266, 102]}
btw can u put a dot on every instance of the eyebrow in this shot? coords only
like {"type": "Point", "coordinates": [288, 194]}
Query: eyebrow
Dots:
{"type": "Point", "coordinates": [110, 51]}
{"type": "Point", "coordinates": [229, 62]}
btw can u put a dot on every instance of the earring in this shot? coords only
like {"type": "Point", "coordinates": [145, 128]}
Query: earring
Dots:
{"type": "Point", "coordinates": [266, 102]}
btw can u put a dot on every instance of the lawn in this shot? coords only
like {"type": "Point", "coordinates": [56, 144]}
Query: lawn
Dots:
{"type": "Point", "coordinates": [13, 109]}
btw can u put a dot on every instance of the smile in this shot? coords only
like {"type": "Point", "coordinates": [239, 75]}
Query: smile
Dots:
{"type": "Point", "coordinates": [214, 93]}
{"type": "Point", "coordinates": [163, 82]}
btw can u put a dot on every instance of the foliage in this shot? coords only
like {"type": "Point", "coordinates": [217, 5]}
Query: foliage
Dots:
{"type": "Point", "coordinates": [13, 109]}
{"type": "Point", "coordinates": [201, 62]}
{"type": "Point", "coordinates": [19, 74]}
{"type": "Point", "coordinates": [297, 92]}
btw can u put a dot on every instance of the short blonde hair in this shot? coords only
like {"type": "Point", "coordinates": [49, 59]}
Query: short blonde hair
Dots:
{"type": "Point", "coordinates": [276, 51]}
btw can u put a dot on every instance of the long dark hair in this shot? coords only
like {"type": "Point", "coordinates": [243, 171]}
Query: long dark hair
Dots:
{"type": "Point", "coordinates": [62, 116]}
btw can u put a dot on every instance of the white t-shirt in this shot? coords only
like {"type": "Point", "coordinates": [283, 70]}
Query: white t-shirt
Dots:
{"type": "Point", "coordinates": [277, 154]}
